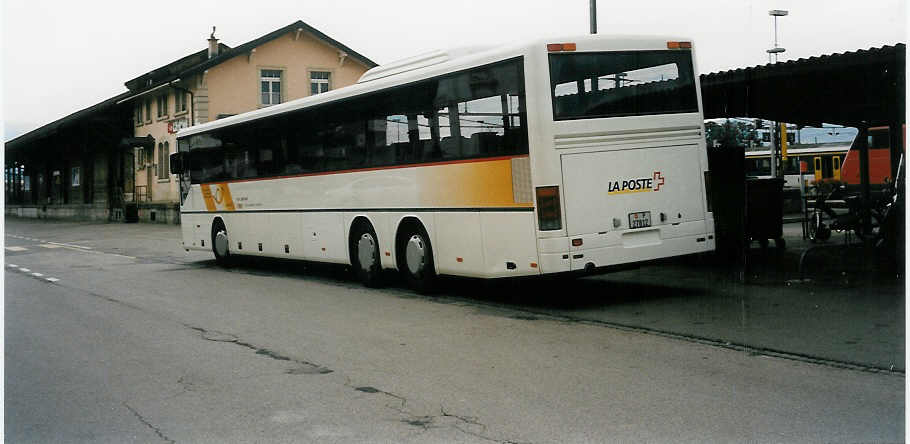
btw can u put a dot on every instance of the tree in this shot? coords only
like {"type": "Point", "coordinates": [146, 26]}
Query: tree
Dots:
{"type": "Point", "coordinates": [730, 133]}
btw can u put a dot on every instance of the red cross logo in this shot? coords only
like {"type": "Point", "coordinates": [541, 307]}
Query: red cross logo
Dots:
{"type": "Point", "coordinates": [658, 180]}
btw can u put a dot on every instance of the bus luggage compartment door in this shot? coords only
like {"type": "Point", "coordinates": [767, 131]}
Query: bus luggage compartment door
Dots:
{"type": "Point", "coordinates": [605, 190]}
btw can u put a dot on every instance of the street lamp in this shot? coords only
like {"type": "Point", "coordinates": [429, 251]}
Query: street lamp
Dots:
{"type": "Point", "coordinates": [774, 51]}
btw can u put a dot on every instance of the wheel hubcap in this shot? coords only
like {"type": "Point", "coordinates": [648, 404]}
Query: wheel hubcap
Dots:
{"type": "Point", "coordinates": [416, 255]}
{"type": "Point", "coordinates": [366, 251]}
{"type": "Point", "coordinates": [221, 243]}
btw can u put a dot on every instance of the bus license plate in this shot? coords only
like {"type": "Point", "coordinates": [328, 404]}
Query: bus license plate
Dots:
{"type": "Point", "coordinates": [641, 219]}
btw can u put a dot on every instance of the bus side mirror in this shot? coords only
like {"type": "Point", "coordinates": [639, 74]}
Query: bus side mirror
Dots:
{"type": "Point", "coordinates": [178, 165]}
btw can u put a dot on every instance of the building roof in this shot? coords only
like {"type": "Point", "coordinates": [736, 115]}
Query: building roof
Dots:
{"type": "Point", "coordinates": [858, 88]}
{"type": "Point", "coordinates": [172, 69]}
{"type": "Point", "coordinates": [185, 66]}
{"type": "Point", "coordinates": [55, 126]}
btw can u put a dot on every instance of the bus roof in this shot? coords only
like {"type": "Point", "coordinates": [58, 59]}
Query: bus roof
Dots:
{"type": "Point", "coordinates": [422, 67]}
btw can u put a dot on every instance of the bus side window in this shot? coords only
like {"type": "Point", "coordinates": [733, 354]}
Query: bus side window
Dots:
{"type": "Point", "coordinates": [481, 110]}
{"type": "Point", "coordinates": [206, 158]}
{"type": "Point", "coordinates": [305, 149]}
{"type": "Point", "coordinates": [482, 123]}
{"type": "Point", "coordinates": [269, 152]}
{"type": "Point", "coordinates": [239, 154]}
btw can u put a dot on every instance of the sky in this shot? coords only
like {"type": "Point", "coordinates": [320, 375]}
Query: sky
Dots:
{"type": "Point", "coordinates": [61, 56]}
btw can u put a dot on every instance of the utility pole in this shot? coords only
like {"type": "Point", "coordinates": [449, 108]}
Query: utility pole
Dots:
{"type": "Point", "coordinates": [593, 16]}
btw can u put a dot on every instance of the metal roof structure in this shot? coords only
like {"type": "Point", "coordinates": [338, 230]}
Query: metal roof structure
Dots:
{"type": "Point", "coordinates": [96, 111]}
{"type": "Point", "coordinates": [862, 88]}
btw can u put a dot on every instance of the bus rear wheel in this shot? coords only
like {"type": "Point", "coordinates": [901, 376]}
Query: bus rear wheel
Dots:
{"type": "Point", "coordinates": [364, 250]}
{"type": "Point", "coordinates": [220, 243]}
{"type": "Point", "coordinates": [416, 259]}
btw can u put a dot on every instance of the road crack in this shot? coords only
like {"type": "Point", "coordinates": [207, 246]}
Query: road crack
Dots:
{"type": "Point", "coordinates": [469, 425]}
{"type": "Point", "coordinates": [148, 424]}
{"type": "Point", "coordinates": [303, 367]}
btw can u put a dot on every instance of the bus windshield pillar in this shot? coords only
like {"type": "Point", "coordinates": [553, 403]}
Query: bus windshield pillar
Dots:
{"type": "Point", "coordinates": [455, 127]}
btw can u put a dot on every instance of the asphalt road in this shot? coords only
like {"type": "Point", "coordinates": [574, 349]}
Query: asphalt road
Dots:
{"type": "Point", "coordinates": [135, 340]}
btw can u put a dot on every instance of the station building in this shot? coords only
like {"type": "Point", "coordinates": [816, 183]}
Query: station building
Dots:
{"type": "Point", "coordinates": [110, 161]}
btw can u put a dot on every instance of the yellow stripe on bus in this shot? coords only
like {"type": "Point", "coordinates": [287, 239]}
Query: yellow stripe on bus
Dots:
{"type": "Point", "coordinates": [223, 196]}
{"type": "Point", "coordinates": [207, 197]}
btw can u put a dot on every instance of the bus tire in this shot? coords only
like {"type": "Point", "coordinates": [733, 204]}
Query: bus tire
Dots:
{"type": "Point", "coordinates": [220, 243]}
{"type": "Point", "coordinates": [364, 250]}
{"type": "Point", "coordinates": [415, 254]}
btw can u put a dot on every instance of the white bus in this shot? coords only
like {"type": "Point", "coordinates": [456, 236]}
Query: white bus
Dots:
{"type": "Point", "coordinates": [573, 154]}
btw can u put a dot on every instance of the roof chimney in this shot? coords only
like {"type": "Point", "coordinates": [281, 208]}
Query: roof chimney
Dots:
{"type": "Point", "coordinates": [213, 44]}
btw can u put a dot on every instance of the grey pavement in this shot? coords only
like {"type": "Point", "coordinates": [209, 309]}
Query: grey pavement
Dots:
{"type": "Point", "coordinates": [138, 341]}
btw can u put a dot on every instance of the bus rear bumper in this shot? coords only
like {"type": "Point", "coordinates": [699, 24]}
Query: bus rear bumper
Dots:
{"type": "Point", "coordinates": [632, 252]}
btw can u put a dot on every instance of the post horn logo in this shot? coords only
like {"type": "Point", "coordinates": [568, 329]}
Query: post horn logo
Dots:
{"type": "Point", "coordinates": [637, 185]}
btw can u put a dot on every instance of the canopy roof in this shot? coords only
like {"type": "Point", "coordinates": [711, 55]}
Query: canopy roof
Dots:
{"type": "Point", "coordinates": [863, 88]}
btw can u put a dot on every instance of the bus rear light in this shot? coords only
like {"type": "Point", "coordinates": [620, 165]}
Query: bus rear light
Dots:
{"type": "Point", "coordinates": [560, 47]}
{"type": "Point", "coordinates": [549, 216]}
{"type": "Point", "coordinates": [679, 45]}
{"type": "Point", "coordinates": [533, 264]}
{"type": "Point", "coordinates": [577, 242]}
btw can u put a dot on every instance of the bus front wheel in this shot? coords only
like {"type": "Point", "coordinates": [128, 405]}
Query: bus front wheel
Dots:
{"type": "Point", "coordinates": [365, 255]}
{"type": "Point", "coordinates": [220, 243]}
{"type": "Point", "coordinates": [417, 254]}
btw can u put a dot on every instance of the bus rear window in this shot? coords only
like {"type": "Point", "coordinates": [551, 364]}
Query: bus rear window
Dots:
{"type": "Point", "coordinates": [622, 83]}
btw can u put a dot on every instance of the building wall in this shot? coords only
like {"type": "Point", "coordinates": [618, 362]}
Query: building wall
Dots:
{"type": "Point", "coordinates": [234, 85]}
{"type": "Point", "coordinates": [146, 162]}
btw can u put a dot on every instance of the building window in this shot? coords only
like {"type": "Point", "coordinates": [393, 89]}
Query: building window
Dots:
{"type": "Point", "coordinates": [270, 82]}
{"type": "Point", "coordinates": [139, 115]}
{"type": "Point", "coordinates": [179, 102]}
{"type": "Point", "coordinates": [140, 158]}
{"type": "Point", "coordinates": [319, 82]}
{"type": "Point", "coordinates": [148, 110]}
{"type": "Point", "coordinates": [75, 176]}
{"type": "Point", "coordinates": [163, 152]}
{"type": "Point", "coordinates": [162, 106]}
